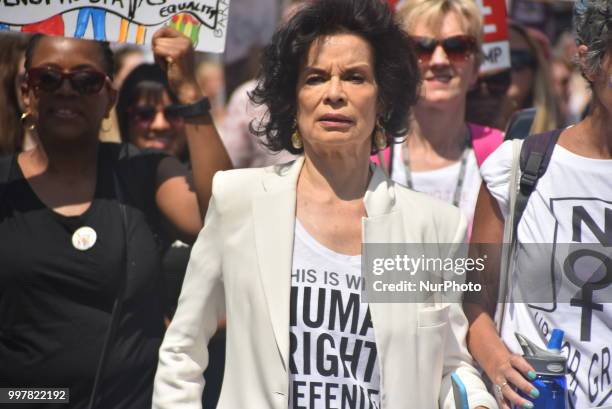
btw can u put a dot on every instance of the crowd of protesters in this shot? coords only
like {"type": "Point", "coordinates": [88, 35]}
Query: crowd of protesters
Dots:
{"type": "Point", "coordinates": [127, 241]}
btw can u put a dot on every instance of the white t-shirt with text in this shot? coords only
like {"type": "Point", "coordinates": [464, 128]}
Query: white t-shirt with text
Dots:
{"type": "Point", "coordinates": [333, 354]}
{"type": "Point", "coordinates": [572, 203]}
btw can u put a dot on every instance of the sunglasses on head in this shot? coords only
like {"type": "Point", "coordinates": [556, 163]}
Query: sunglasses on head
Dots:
{"type": "Point", "coordinates": [496, 84]}
{"type": "Point", "coordinates": [457, 48]}
{"type": "Point", "coordinates": [521, 59]}
{"type": "Point", "coordinates": [47, 79]}
{"type": "Point", "coordinates": [144, 115]}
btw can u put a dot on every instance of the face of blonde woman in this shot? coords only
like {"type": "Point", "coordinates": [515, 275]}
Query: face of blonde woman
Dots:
{"type": "Point", "coordinates": [448, 71]}
{"type": "Point", "coordinates": [337, 94]}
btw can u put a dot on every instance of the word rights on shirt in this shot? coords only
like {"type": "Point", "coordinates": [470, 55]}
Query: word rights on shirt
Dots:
{"type": "Point", "coordinates": [333, 360]}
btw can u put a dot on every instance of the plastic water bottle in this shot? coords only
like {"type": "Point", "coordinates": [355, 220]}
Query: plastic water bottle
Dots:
{"type": "Point", "coordinates": [550, 368]}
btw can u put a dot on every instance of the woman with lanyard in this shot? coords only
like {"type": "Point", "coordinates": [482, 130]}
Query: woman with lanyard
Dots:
{"type": "Point", "coordinates": [442, 152]}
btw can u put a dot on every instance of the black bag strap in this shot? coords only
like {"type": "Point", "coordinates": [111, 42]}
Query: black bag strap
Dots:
{"type": "Point", "coordinates": [535, 156]}
{"type": "Point", "coordinates": [117, 304]}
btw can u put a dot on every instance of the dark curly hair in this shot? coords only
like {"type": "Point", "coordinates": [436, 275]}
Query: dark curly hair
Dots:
{"type": "Point", "coordinates": [593, 24]}
{"type": "Point", "coordinates": [395, 66]}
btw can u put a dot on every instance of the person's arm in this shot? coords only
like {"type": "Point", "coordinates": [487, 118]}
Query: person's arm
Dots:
{"type": "Point", "coordinates": [483, 341]}
{"type": "Point", "coordinates": [183, 355]}
{"type": "Point", "coordinates": [176, 199]}
{"type": "Point", "coordinates": [456, 356]}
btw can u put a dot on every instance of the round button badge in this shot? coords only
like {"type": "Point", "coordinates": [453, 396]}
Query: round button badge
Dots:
{"type": "Point", "coordinates": [84, 238]}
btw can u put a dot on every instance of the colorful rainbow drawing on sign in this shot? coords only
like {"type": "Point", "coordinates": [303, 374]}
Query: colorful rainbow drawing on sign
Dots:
{"type": "Point", "coordinates": [203, 21]}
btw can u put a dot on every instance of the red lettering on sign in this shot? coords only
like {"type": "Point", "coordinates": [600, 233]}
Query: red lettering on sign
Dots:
{"type": "Point", "coordinates": [495, 22]}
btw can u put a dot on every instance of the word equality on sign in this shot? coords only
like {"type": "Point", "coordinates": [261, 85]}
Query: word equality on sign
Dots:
{"type": "Point", "coordinates": [135, 21]}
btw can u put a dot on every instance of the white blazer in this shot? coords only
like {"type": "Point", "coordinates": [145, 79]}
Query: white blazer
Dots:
{"type": "Point", "coordinates": [241, 265]}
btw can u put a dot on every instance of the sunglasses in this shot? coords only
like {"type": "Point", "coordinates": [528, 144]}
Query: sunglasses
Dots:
{"type": "Point", "coordinates": [457, 48]}
{"type": "Point", "coordinates": [496, 84]}
{"type": "Point", "coordinates": [521, 59]}
{"type": "Point", "coordinates": [144, 115]}
{"type": "Point", "coordinates": [85, 82]}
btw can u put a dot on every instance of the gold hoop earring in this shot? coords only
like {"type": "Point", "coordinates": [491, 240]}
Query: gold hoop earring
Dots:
{"type": "Point", "coordinates": [380, 137]}
{"type": "Point", "coordinates": [108, 127]}
{"type": "Point", "coordinates": [296, 138]}
{"type": "Point", "coordinates": [24, 120]}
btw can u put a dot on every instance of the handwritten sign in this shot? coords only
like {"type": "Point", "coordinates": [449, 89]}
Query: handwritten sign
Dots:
{"type": "Point", "coordinates": [134, 21]}
{"type": "Point", "coordinates": [495, 46]}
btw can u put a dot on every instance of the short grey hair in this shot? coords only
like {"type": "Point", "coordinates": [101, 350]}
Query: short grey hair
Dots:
{"type": "Point", "coordinates": [593, 25]}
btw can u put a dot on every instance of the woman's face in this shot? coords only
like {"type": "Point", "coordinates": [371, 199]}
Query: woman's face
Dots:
{"type": "Point", "coordinates": [447, 74]}
{"type": "Point", "coordinates": [152, 127]}
{"type": "Point", "coordinates": [337, 93]}
{"type": "Point", "coordinates": [67, 90]}
{"type": "Point", "coordinates": [484, 102]}
{"type": "Point", "coordinates": [523, 71]}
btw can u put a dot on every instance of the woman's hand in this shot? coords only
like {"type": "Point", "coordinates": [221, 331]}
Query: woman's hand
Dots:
{"type": "Point", "coordinates": [506, 370]}
{"type": "Point", "coordinates": [510, 372]}
{"type": "Point", "coordinates": [174, 53]}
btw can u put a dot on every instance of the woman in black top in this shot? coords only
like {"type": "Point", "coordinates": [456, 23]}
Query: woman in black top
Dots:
{"type": "Point", "coordinates": [146, 120]}
{"type": "Point", "coordinates": [64, 237]}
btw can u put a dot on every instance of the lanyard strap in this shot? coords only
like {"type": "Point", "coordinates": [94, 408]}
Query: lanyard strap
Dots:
{"type": "Point", "coordinates": [467, 148]}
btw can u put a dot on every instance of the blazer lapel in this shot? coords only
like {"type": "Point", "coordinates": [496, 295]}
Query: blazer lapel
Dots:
{"type": "Point", "coordinates": [385, 224]}
{"type": "Point", "coordinates": [274, 221]}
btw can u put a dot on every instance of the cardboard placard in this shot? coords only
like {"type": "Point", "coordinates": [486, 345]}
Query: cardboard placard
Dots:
{"type": "Point", "coordinates": [133, 21]}
{"type": "Point", "coordinates": [495, 46]}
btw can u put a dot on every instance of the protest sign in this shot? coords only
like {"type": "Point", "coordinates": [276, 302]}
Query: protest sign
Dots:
{"type": "Point", "coordinates": [134, 21]}
{"type": "Point", "coordinates": [495, 46]}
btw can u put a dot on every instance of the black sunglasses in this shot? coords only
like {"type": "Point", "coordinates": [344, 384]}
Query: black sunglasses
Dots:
{"type": "Point", "coordinates": [496, 84]}
{"type": "Point", "coordinates": [457, 48]}
{"type": "Point", "coordinates": [145, 114]}
{"type": "Point", "coordinates": [521, 59]}
{"type": "Point", "coordinates": [47, 79]}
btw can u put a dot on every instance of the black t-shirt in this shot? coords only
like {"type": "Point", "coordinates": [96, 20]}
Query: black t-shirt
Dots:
{"type": "Point", "coordinates": [56, 301]}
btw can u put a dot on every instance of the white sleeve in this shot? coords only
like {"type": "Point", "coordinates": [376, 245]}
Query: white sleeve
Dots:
{"type": "Point", "coordinates": [495, 172]}
{"type": "Point", "coordinates": [235, 133]}
{"type": "Point", "coordinates": [183, 355]}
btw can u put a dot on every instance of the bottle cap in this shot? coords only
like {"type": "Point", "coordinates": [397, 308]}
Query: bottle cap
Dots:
{"type": "Point", "coordinates": [556, 340]}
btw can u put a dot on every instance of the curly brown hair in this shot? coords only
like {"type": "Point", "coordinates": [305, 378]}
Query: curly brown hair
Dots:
{"type": "Point", "coordinates": [395, 65]}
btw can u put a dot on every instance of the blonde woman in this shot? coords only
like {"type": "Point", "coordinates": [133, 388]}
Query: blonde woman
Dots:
{"type": "Point", "coordinates": [442, 152]}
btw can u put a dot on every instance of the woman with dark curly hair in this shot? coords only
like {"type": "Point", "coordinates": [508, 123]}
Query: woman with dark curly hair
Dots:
{"type": "Point", "coordinates": [281, 250]}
